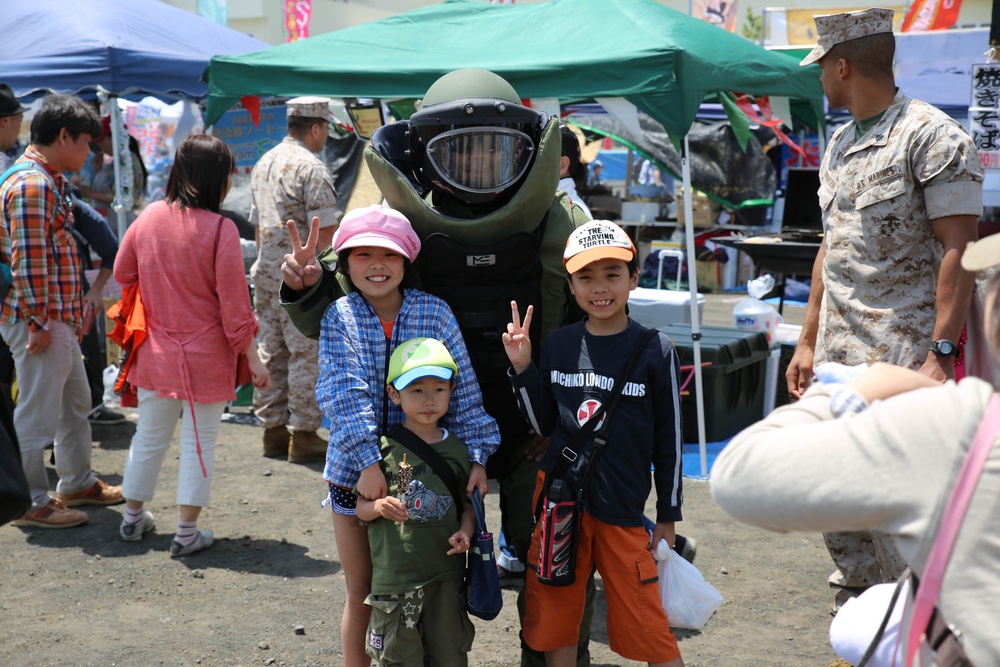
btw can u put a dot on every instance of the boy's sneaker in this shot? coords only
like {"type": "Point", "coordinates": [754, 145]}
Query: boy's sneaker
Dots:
{"type": "Point", "coordinates": [100, 493]}
{"type": "Point", "coordinates": [687, 549]}
{"type": "Point", "coordinates": [106, 416]}
{"type": "Point", "coordinates": [133, 532]}
{"type": "Point", "coordinates": [203, 541]}
{"type": "Point", "coordinates": [509, 567]}
{"type": "Point", "coordinates": [53, 515]}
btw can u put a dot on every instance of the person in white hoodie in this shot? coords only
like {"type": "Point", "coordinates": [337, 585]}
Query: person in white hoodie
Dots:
{"type": "Point", "coordinates": [904, 437]}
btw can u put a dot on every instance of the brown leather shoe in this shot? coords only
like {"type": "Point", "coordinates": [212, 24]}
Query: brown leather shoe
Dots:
{"type": "Point", "coordinates": [52, 515]}
{"type": "Point", "coordinates": [276, 442]}
{"type": "Point", "coordinates": [100, 493]}
{"type": "Point", "coordinates": [306, 447]}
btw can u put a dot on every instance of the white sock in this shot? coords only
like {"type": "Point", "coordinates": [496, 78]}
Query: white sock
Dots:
{"type": "Point", "coordinates": [132, 516]}
{"type": "Point", "coordinates": [187, 532]}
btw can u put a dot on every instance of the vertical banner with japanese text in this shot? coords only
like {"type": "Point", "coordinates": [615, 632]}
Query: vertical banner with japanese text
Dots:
{"type": "Point", "coordinates": [297, 15]}
{"type": "Point", "coordinates": [984, 115]}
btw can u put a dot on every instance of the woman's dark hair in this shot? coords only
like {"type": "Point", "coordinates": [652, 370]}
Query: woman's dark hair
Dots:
{"type": "Point", "coordinates": [133, 146]}
{"type": "Point", "coordinates": [571, 149]}
{"type": "Point", "coordinates": [198, 179]}
{"type": "Point", "coordinates": [59, 111]}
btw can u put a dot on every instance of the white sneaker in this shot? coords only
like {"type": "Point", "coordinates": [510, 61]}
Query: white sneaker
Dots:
{"type": "Point", "coordinates": [133, 532]}
{"type": "Point", "coordinates": [203, 541]}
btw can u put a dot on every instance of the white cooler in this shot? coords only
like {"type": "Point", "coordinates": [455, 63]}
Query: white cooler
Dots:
{"type": "Point", "coordinates": [655, 308]}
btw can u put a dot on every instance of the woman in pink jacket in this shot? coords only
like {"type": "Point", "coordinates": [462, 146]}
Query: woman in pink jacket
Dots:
{"type": "Point", "coordinates": [187, 260]}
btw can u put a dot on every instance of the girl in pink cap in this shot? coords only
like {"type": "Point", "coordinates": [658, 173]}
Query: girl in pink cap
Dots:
{"type": "Point", "coordinates": [375, 248]}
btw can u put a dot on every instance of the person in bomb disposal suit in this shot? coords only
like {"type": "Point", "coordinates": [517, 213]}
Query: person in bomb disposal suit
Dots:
{"type": "Point", "coordinates": [493, 230]}
{"type": "Point", "coordinates": [901, 192]}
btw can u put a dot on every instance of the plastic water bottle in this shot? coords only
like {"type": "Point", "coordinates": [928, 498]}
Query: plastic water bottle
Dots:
{"type": "Point", "coordinates": [752, 314]}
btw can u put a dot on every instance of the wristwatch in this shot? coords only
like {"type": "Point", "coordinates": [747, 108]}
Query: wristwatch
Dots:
{"type": "Point", "coordinates": [944, 348]}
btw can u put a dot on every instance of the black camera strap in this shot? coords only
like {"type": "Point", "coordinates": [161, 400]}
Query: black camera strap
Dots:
{"type": "Point", "coordinates": [431, 457]}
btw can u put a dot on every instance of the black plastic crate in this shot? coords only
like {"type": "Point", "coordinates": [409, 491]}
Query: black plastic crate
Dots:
{"type": "Point", "coordinates": [733, 383]}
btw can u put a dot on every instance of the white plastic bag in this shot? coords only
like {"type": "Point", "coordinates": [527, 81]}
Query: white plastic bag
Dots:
{"type": "Point", "coordinates": [110, 374]}
{"type": "Point", "coordinates": [687, 598]}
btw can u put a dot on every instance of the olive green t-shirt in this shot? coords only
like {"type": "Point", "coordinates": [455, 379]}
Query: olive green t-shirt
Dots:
{"type": "Point", "coordinates": [413, 555]}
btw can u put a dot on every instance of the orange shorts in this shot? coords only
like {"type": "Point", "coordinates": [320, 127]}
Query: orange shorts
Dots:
{"type": "Point", "coordinates": [637, 625]}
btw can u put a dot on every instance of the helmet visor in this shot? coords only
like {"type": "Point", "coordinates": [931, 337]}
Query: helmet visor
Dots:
{"type": "Point", "coordinates": [481, 159]}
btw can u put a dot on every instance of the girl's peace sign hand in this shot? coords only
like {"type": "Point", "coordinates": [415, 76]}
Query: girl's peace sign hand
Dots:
{"type": "Point", "coordinates": [516, 340]}
{"type": "Point", "coordinates": [300, 268]}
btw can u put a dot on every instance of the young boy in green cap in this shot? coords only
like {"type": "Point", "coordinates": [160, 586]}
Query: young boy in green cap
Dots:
{"type": "Point", "coordinates": [418, 615]}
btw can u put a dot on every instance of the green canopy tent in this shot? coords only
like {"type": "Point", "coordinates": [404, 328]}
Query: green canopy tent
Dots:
{"type": "Point", "coordinates": [663, 62]}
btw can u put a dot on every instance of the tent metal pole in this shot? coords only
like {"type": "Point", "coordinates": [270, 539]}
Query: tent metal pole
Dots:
{"type": "Point", "coordinates": [699, 392]}
{"type": "Point", "coordinates": [118, 205]}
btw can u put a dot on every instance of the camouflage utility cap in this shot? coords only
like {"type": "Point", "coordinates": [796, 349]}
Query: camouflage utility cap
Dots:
{"type": "Point", "coordinates": [833, 29]}
{"type": "Point", "coordinates": [310, 107]}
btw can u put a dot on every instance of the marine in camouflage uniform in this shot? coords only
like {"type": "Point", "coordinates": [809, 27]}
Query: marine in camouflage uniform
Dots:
{"type": "Point", "coordinates": [900, 192]}
{"type": "Point", "coordinates": [290, 183]}
{"type": "Point", "coordinates": [879, 195]}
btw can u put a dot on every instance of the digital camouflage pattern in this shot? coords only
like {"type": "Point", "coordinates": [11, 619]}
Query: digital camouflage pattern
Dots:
{"type": "Point", "coordinates": [852, 552]}
{"type": "Point", "coordinates": [879, 195]}
{"type": "Point", "coordinates": [293, 361]}
{"type": "Point", "coordinates": [310, 107]}
{"type": "Point", "coordinates": [288, 183]}
{"type": "Point", "coordinates": [833, 29]}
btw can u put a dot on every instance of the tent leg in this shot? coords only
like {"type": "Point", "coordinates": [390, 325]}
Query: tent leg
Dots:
{"type": "Point", "coordinates": [699, 392]}
{"type": "Point", "coordinates": [117, 130]}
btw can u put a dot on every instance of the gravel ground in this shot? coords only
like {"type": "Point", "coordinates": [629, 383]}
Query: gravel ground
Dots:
{"type": "Point", "coordinates": [270, 592]}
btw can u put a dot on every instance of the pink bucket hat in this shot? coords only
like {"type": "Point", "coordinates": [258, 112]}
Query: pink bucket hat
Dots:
{"type": "Point", "coordinates": [377, 226]}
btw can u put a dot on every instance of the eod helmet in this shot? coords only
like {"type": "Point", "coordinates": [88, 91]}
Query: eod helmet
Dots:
{"type": "Point", "coordinates": [472, 138]}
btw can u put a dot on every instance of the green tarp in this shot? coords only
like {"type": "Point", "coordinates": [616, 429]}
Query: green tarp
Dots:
{"type": "Point", "coordinates": [664, 62]}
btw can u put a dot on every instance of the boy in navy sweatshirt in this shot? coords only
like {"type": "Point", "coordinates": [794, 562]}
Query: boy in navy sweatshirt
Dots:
{"type": "Point", "coordinates": [579, 367]}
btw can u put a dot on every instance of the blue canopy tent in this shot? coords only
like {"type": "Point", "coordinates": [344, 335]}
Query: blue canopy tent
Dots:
{"type": "Point", "coordinates": [127, 48]}
{"type": "Point", "coordinates": [119, 48]}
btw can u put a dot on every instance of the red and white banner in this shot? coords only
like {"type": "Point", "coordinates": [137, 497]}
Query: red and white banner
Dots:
{"type": "Point", "coordinates": [931, 15]}
{"type": "Point", "coordinates": [297, 15]}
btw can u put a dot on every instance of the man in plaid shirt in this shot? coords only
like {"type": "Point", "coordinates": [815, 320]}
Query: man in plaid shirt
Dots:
{"type": "Point", "coordinates": [41, 315]}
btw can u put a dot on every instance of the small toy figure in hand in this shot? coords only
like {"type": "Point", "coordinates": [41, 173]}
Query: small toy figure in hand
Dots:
{"type": "Point", "coordinates": [403, 476]}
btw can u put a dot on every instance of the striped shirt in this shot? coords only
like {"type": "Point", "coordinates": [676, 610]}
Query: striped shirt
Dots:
{"type": "Point", "coordinates": [36, 241]}
{"type": "Point", "coordinates": [353, 364]}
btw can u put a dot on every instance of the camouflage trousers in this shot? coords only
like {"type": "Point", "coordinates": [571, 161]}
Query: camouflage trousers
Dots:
{"type": "Point", "coordinates": [292, 360]}
{"type": "Point", "coordinates": [864, 558]}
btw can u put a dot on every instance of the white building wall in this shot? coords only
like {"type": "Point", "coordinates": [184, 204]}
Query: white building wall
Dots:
{"type": "Point", "coordinates": [264, 19]}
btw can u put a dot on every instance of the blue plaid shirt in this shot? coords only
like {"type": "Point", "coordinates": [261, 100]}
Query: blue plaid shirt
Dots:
{"type": "Point", "coordinates": [353, 365]}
